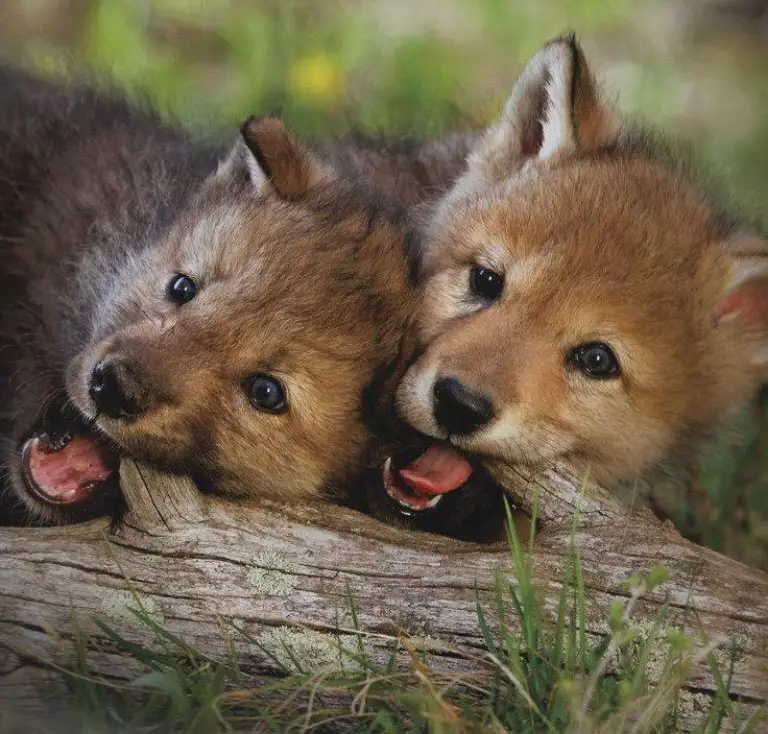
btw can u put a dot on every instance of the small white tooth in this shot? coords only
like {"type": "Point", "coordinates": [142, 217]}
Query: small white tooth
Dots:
{"type": "Point", "coordinates": [401, 497]}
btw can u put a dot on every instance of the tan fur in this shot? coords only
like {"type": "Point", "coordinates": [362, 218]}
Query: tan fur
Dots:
{"type": "Point", "coordinates": [599, 239]}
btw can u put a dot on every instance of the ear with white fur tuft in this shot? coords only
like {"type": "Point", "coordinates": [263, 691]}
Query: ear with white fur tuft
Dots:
{"type": "Point", "coordinates": [745, 302]}
{"type": "Point", "coordinates": [554, 110]}
{"type": "Point", "coordinates": [273, 160]}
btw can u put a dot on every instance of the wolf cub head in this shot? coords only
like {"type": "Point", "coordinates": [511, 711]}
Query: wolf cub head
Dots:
{"type": "Point", "coordinates": [240, 347]}
{"type": "Point", "coordinates": [583, 298]}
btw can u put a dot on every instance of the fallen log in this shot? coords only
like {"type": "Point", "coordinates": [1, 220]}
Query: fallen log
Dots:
{"type": "Point", "coordinates": [199, 562]}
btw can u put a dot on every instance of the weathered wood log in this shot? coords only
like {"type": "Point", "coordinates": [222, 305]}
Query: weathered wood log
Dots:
{"type": "Point", "coordinates": [198, 562]}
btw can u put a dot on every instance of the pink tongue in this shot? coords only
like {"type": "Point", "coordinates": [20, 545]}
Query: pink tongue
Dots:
{"type": "Point", "coordinates": [437, 471]}
{"type": "Point", "coordinates": [70, 474]}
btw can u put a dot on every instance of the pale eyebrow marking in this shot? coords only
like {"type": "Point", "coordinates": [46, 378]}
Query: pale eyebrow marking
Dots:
{"type": "Point", "coordinates": [210, 235]}
{"type": "Point", "coordinates": [495, 256]}
{"type": "Point", "coordinates": [520, 273]}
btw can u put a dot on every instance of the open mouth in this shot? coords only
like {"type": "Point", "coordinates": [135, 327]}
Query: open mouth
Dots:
{"type": "Point", "coordinates": [418, 480]}
{"type": "Point", "coordinates": [64, 463]}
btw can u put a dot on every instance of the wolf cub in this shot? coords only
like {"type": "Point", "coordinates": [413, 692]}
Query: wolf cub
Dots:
{"type": "Point", "coordinates": [224, 315]}
{"type": "Point", "coordinates": [584, 297]}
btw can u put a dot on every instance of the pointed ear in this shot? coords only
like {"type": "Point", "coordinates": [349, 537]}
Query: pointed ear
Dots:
{"type": "Point", "coordinates": [554, 110]}
{"type": "Point", "coordinates": [273, 160]}
{"type": "Point", "coordinates": [745, 300]}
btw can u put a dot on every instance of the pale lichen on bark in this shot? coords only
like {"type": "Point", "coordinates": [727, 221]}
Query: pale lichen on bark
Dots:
{"type": "Point", "coordinates": [273, 573]}
{"type": "Point", "coordinates": [123, 606]}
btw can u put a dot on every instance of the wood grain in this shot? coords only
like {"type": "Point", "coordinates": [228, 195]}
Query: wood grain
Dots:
{"type": "Point", "coordinates": [198, 563]}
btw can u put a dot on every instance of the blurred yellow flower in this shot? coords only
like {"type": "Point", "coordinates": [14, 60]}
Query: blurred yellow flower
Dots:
{"type": "Point", "coordinates": [316, 80]}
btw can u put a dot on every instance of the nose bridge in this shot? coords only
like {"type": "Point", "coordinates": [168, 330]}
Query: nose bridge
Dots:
{"type": "Point", "coordinates": [484, 352]}
{"type": "Point", "coordinates": [157, 353]}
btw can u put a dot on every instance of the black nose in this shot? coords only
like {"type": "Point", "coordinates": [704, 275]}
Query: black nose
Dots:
{"type": "Point", "coordinates": [117, 391]}
{"type": "Point", "coordinates": [457, 409]}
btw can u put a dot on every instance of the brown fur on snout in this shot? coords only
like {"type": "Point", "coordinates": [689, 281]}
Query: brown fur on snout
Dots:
{"type": "Point", "coordinates": [601, 237]}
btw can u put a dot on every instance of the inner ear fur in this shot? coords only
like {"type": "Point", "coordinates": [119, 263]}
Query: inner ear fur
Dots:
{"type": "Point", "coordinates": [554, 110]}
{"type": "Point", "coordinates": [273, 160]}
{"type": "Point", "coordinates": [291, 168]}
{"type": "Point", "coordinates": [744, 300]}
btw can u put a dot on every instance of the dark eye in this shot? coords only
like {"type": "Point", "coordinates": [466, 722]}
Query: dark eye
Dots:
{"type": "Point", "coordinates": [266, 393]}
{"type": "Point", "coordinates": [486, 283]}
{"type": "Point", "coordinates": [594, 360]}
{"type": "Point", "coordinates": [182, 289]}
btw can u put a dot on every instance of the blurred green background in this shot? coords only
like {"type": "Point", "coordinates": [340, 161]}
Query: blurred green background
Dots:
{"type": "Point", "coordinates": [696, 67]}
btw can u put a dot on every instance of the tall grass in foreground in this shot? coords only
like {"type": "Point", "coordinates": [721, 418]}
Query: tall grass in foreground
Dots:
{"type": "Point", "coordinates": [536, 672]}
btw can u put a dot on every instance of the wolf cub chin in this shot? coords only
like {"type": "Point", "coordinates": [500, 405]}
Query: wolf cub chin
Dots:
{"type": "Point", "coordinates": [584, 298]}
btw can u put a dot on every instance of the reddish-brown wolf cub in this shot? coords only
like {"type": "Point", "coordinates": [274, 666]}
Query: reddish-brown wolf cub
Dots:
{"type": "Point", "coordinates": [584, 297]}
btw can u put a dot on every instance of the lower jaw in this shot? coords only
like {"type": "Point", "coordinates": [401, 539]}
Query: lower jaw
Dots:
{"type": "Point", "coordinates": [472, 513]}
{"type": "Point", "coordinates": [37, 509]}
{"type": "Point", "coordinates": [95, 499]}
{"type": "Point", "coordinates": [436, 470]}
{"type": "Point", "coordinates": [408, 502]}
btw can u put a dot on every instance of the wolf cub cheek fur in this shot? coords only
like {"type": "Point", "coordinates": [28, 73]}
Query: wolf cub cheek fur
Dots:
{"type": "Point", "coordinates": [582, 297]}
